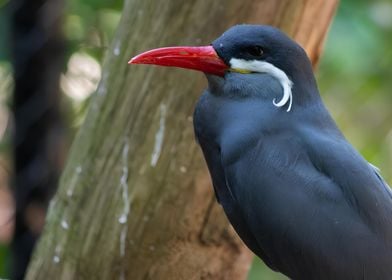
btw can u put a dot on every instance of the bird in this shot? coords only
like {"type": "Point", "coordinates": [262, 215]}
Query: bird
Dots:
{"type": "Point", "coordinates": [298, 194]}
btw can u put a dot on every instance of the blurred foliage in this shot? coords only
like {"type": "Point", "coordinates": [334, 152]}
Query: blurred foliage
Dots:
{"type": "Point", "coordinates": [4, 19]}
{"type": "Point", "coordinates": [355, 78]}
{"type": "Point", "coordinates": [90, 25]}
{"type": "Point", "coordinates": [354, 74]}
{"type": "Point", "coordinates": [5, 259]}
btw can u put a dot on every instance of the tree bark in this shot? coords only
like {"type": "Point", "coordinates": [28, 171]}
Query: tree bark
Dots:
{"type": "Point", "coordinates": [135, 200]}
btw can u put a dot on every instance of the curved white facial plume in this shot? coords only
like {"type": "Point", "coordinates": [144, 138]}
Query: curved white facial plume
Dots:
{"type": "Point", "coordinates": [265, 67]}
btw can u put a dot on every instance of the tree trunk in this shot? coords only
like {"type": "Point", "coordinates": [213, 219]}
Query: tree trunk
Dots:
{"type": "Point", "coordinates": [135, 200]}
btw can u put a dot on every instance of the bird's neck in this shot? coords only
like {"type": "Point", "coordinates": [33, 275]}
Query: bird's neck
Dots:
{"type": "Point", "coordinates": [305, 90]}
{"type": "Point", "coordinates": [305, 93]}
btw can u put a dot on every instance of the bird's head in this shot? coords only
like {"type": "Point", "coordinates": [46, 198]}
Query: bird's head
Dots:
{"type": "Point", "coordinates": [244, 49]}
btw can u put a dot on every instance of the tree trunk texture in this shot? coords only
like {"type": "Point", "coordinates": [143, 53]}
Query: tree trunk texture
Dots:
{"type": "Point", "coordinates": [135, 200]}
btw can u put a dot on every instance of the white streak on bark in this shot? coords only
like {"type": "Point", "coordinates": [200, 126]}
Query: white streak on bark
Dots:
{"type": "Point", "coordinates": [72, 185]}
{"type": "Point", "coordinates": [124, 184]}
{"type": "Point", "coordinates": [56, 257]}
{"type": "Point", "coordinates": [183, 169]}
{"type": "Point", "coordinates": [117, 50]}
{"type": "Point", "coordinates": [64, 224]}
{"type": "Point", "coordinates": [123, 219]}
{"type": "Point", "coordinates": [159, 136]}
{"type": "Point", "coordinates": [123, 238]}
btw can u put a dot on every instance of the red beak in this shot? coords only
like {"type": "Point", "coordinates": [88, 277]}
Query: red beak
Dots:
{"type": "Point", "coordinates": [203, 59]}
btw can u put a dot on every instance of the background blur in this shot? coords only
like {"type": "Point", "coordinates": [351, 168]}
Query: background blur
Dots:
{"type": "Point", "coordinates": [354, 76]}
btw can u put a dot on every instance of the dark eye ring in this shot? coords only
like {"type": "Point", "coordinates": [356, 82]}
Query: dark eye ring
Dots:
{"type": "Point", "coordinates": [256, 51]}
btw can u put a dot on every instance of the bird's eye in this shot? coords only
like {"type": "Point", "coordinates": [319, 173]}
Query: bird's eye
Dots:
{"type": "Point", "coordinates": [256, 51]}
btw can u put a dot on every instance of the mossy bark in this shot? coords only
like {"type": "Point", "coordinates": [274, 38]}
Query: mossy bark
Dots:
{"type": "Point", "coordinates": [135, 200]}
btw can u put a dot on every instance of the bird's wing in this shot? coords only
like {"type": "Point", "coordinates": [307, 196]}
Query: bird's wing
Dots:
{"type": "Point", "coordinates": [213, 160]}
{"type": "Point", "coordinates": [273, 187]}
{"type": "Point", "coordinates": [225, 196]}
{"type": "Point", "coordinates": [304, 205]}
{"type": "Point", "coordinates": [362, 185]}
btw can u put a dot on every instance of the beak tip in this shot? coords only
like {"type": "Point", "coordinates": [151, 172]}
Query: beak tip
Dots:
{"type": "Point", "coordinates": [141, 59]}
